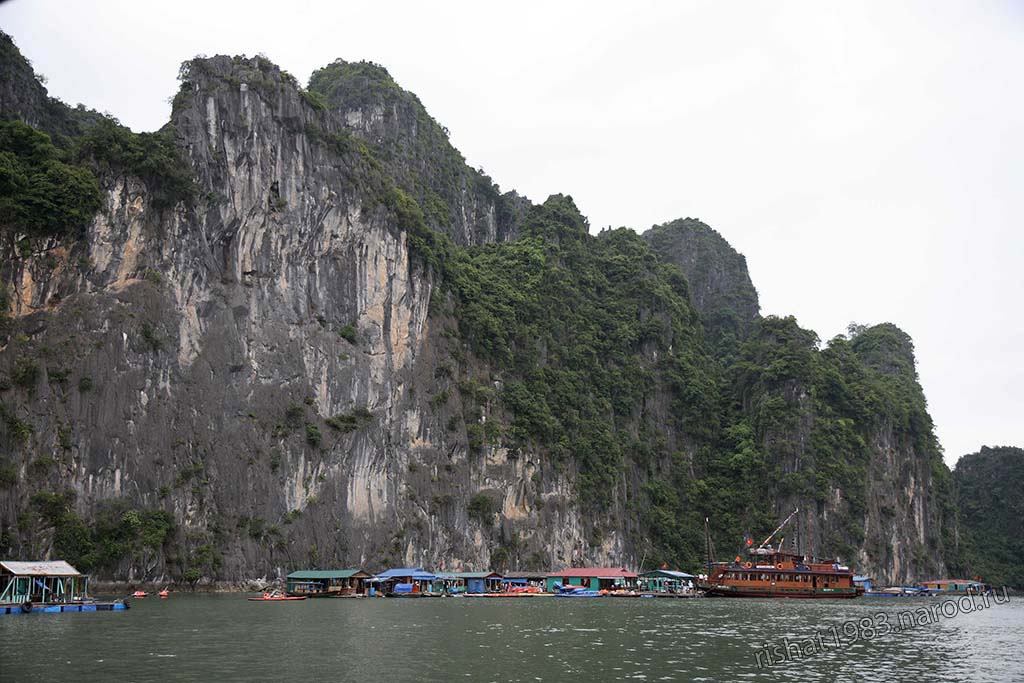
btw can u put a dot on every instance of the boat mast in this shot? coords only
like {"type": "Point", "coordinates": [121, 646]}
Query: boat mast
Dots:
{"type": "Point", "coordinates": [777, 530]}
{"type": "Point", "coordinates": [799, 538]}
{"type": "Point", "coordinates": [707, 540]}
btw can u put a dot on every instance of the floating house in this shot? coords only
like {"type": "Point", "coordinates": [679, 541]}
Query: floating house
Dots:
{"type": "Point", "coordinates": [955, 586]}
{"type": "Point", "coordinates": [592, 578]}
{"type": "Point", "coordinates": [332, 583]}
{"type": "Point", "coordinates": [52, 582]}
{"type": "Point", "coordinates": [471, 582]}
{"type": "Point", "coordinates": [666, 581]}
{"type": "Point", "coordinates": [862, 582]}
{"type": "Point", "coordinates": [47, 586]}
{"type": "Point", "coordinates": [405, 581]}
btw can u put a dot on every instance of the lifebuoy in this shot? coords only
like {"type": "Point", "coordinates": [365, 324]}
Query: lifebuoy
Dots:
{"type": "Point", "coordinates": [778, 566]}
{"type": "Point", "coordinates": [26, 607]}
{"type": "Point", "coordinates": [747, 565]}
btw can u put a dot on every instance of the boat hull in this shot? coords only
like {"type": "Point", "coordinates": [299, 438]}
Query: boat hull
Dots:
{"type": "Point", "coordinates": [713, 591]}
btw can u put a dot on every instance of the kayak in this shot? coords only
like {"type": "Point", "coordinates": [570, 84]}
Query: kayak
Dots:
{"type": "Point", "coordinates": [163, 594]}
{"type": "Point", "coordinates": [277, 598]}
{"type": "Point", "coordinates": [139, 594]}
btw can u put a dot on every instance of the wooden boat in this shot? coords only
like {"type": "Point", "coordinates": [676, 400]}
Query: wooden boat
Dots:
{"type": "Point", "coordinates": [276, 597]}
{"type": "Point", "coordinates": [773, 573]}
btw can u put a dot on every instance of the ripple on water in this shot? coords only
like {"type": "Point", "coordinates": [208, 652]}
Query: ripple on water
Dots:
{"type": "Point", "coordinates": [217, 637]}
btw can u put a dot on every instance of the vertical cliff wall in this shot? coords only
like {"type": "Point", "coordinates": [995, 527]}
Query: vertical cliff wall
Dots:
{"type": "Point", "coordinates": [300, 331]}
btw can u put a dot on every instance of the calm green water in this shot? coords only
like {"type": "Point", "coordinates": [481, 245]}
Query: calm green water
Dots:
{"type": "Point", "coordinates": [226, 638]}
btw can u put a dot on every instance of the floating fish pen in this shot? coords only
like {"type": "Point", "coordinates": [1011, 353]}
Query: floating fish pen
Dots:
{"type": "Point", "coordinates": [666, 583]}
{"type": "Point", "coordinates": [329, 583]}
{"type": "Point", "coordinates": [44, 587]}
{"type": "Point", "coordinates": [406, 582]}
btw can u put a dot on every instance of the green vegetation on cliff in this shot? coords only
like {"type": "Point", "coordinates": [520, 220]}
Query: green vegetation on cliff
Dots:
{"type": "Point", "coordinates": [720, 285]}
{"type": "Point", "coordinates": [583, 330]}
{"type": "Point", "coordinates": [116, 533]}
{"type": "Point", "coordinates": [633, 372]}
{"type": "Point", "coordinates": [41, 194]}
{"type": "Point", "coordinates": [988, 489]}
{"type": "Point", "coordinates": [53, 157]}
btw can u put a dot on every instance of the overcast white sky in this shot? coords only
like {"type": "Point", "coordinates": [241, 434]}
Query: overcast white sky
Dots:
{"type": "Point", "coordinates": [867, 158]}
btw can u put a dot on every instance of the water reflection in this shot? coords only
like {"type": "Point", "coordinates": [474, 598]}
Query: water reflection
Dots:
{"type": "Point", "coordinates": [537, 639]}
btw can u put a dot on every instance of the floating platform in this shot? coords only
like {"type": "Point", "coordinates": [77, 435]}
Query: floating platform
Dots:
{"type": "Point", "coordinates": [69, 607]}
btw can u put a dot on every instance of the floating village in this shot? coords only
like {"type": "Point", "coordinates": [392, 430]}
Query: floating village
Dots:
{"type": "Point", "coordinates": [767, 571]}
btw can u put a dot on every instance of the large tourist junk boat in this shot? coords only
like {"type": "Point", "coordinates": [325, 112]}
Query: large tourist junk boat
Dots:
{"type": "Point", "coordinates": [770, 572]}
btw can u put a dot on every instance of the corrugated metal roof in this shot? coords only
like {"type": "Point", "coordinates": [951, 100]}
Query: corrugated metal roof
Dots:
{"type": "Point", "coordinates": [524, 575]}
{"type": "Point", "coordinates": [40, 568]}
{"type": "Point", "coordinates": [595, 572]}
{"type": "Point", "coordinates": [473, 575]}
{"type": "Point", "coordinates": [402, 572]}
{"type": "Point", "coordinates": [669, 573]}
{"type": "Point", "coordinates": [326, 574]}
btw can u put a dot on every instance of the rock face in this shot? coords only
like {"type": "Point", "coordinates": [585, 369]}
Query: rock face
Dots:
{"type": "Point", "coordinates": [218, 338]}
{"type": "Point", "coordinates": [288, 368]}
{"type": "Point", "coordinates": [719, 281]}
{"type": "Point", "coordinates": [717, 273]}
{"type": "Point", "coordinates": [988, 488]}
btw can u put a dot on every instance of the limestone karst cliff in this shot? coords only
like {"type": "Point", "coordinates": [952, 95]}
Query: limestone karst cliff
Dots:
{"type": "Point", "coordinates": [300, 331]}
{"type": "Point", "coordinates": [988, 487]}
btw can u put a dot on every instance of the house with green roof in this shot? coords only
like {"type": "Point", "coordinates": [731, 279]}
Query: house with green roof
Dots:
{"type": "Point", "coordinates": [338, 583]}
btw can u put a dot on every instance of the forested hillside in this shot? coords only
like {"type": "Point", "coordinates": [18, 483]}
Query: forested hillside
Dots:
{"type": "Point", "coordinates": [989, 487]}
{"type": "Point", "coordinates": [294, 329]}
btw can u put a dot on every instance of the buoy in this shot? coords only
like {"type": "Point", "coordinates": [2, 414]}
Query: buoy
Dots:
{"type": "Point", "coordinates": [747, 565]}
{"type": "Point", "coordinates": [778, 566]}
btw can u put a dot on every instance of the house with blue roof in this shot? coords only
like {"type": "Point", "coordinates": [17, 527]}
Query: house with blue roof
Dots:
{"type": "Point", "coordinates": [406, 582]}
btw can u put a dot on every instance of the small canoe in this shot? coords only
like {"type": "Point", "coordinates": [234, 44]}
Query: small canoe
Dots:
{"type": "Point", "coordinates": [164, 593]}
{"type": "Point", "coordinates": [277, 598]}
{"type": "Point", "coordinates": [139, 594]}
